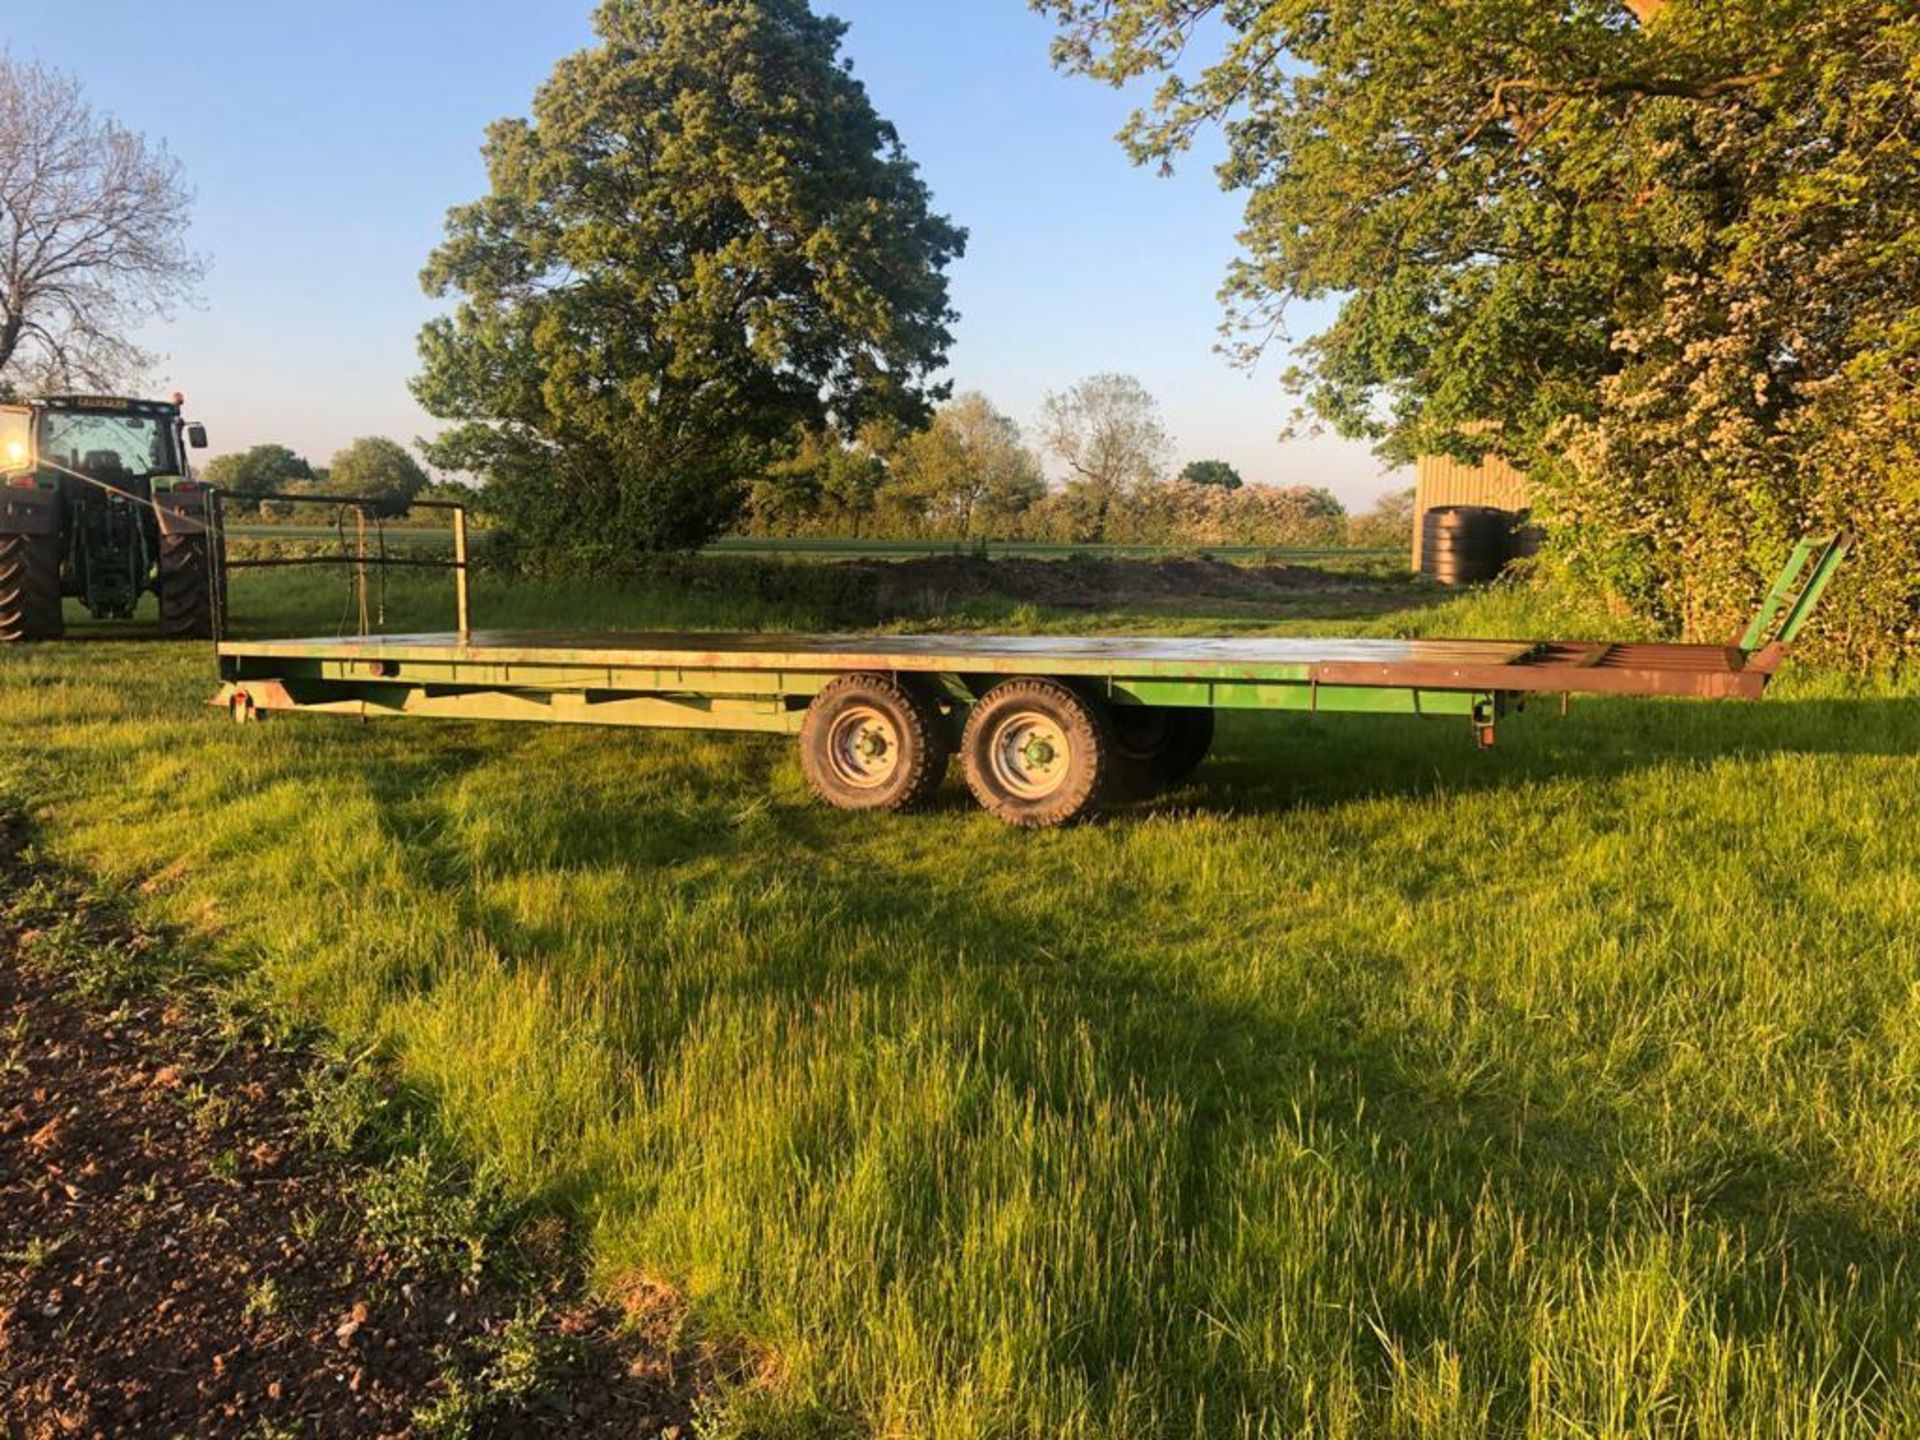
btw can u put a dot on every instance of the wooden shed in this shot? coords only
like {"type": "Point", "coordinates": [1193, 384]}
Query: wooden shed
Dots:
{"type": "Point", "coordinates": [1445, 481]}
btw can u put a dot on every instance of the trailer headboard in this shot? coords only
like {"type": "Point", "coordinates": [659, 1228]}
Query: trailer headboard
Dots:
{"type": "Point", "coordinates": [1796, 592]}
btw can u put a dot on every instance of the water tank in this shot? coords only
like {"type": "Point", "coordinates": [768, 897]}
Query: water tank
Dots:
{"type": "Point", "coordinates": [1466, 544]}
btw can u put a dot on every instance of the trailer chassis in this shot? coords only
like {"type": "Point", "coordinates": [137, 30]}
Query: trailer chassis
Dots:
{"type": "Point", "coordinates": [1043, 725]}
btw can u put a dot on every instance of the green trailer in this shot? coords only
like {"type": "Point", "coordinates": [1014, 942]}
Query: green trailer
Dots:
{"type": "Point", "coordinates": [1043, 725]}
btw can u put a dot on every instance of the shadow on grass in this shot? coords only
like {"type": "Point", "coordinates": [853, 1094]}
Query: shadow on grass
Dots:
{"type": "Point", "coordinates": [1278, 763]}
{"type": "Point", "coordinates": [1239, 1068]}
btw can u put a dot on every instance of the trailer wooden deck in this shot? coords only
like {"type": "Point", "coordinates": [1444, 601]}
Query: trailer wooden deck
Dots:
{"type": "Point", "coordinates": [621, 661]}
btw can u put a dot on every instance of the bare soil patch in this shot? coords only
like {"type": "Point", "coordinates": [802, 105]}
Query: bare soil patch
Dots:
{"type": "Point", "coordinates": [180, 1255]}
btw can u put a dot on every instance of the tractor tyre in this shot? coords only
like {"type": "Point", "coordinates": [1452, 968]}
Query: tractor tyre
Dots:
{"type": "Point", "coordinates": [30, 588]}
{"type": "Point", "coordinates": [1159, 747]}
{"type": "Point", "coordinates": [875, 742]}
{"type": "Point", "coordinates": [192, 588]}
{"type": "Point", "coordinates": [1038, 754]}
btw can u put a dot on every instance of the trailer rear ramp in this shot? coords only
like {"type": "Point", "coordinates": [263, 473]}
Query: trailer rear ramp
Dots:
{"type": "Point", "coordinates": [1042, 723]}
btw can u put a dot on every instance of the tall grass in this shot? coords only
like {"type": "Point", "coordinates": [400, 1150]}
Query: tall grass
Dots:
{"type": "Point", "coordinates": [1370, 1086]}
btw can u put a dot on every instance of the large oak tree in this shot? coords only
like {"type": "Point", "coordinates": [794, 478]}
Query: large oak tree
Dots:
{"type": "Point", "coordinates": [704, 239]}
{"type": "Point", "coordinates": [1662, 255]}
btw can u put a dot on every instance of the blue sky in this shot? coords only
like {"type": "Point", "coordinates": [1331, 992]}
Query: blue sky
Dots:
{"type": "Point", "coordinates": [326, 144]}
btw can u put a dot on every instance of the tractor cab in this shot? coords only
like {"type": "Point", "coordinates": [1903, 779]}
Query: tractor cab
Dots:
{"type": "Point", "coordinates": [98, 498]}
{"type": "Point", "coordinates": [133, 447]}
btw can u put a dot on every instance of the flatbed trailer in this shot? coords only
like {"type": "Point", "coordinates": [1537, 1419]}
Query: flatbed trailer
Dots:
{"type": "Point", "coordinates": [1042, 724]}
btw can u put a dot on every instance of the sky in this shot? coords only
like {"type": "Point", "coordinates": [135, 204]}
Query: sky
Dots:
{"type": "Point", "coordinates": [326, 143]}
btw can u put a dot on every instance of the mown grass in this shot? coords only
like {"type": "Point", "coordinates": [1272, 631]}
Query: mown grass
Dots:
{"type": "Point", "coordinates": [1370, 1086]}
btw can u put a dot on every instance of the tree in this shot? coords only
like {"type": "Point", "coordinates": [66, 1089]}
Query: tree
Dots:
{"type": "Point", "coordinates": [1106, 431]}
{"type": "Point", "coordinates": [377, 469]}
{"type": "Point", "coordinates": [703, 240]}
{"type": "Point", "coordinates": [825, 486]}
{"type": "Point", "coordinates": [1388, 526]}
{"type": "Point", "coordinates": [93, 236]}
{"type": "Point", "coordinates": [1669, 266]}
{"type": "Point", "coordinates": [967, 476]}
{"type": "Point", "coordinates": [1212, 472]}
{"type": "Point", "coordinates": [263, 470]}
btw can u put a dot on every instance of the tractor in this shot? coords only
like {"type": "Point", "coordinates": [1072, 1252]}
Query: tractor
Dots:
{"type": "Point", "coordinates": [98, 503]}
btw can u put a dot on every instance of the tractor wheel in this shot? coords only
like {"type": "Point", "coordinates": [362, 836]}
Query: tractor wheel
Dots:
{"type": "Point", "coordinates": [874, 742]}
{"type": "Point", "coordinates": [30, 588]}
{"type": "Point", "coordinates": [1159, 747]}
{"type": "Point", "coordinates": [192, 595]}
{"type": "Point", "coordinates": [1037, 754]}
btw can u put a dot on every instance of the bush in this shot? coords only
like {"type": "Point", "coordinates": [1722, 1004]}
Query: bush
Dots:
{"type": "Point", "coordinates": [1182, 513]}
{"type": "Point", "coordinates": [1388, 526]}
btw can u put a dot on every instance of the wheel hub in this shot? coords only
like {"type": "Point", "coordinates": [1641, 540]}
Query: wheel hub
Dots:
{"type": "Point", "coordinates": [1030, 755]}
{"type": "Point", "coordinates": [863, 748]}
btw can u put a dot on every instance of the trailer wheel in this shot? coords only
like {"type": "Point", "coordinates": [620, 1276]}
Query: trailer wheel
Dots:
{"type": "Point", "coordinates": [1037, 754]}
{"type": "Point", "coordinates": [192, 595]}
{"type": "Point", "coordinates": [874, 742]}
{"type": "Point", "coordinates": [1162, 746]}
{"type": "Point", "coordinates": [30, 588]}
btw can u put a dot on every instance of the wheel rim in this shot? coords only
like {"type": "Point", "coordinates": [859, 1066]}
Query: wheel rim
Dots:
{"type": "Point", "coordinates": [863, 748]}
{"type": "Point", "coordinates": [1030, 755]}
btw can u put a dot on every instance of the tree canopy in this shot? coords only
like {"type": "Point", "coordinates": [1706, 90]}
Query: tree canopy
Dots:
{"type": "Point", "coordinates": [969, 475]}
{"type": "Point", "coordinates": [1667, 267]}
{"type": "Point", "coordinates": [263, 470]}
{"type": "Point", "coordinates": [1107, 434]}
{"type": "Point", "coordinates": [93, 236]}
{"type": "Point", "coordinates": [378, 469]}
{"type": "Point", "coordinates": [1213, 472]}
{"type": "Point", "coordinates": [703, 240]}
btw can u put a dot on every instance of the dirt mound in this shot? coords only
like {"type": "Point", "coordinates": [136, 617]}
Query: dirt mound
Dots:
{"type": "Point", "coordinates": [1097, 584]}
{"type": "Point", "coordinates": [178, 1256]}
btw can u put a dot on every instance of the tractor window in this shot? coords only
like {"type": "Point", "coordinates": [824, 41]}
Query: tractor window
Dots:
{"type": "Point", "coordinates": [16, 450]}
{"type": "Point", "coordinates": [108, 446]}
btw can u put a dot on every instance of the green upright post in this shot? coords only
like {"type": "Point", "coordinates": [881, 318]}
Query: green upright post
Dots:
{"type": "Point", "coordinates": [1796, 592]}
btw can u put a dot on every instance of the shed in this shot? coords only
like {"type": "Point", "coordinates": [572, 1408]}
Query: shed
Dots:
{"type": "Point", "coordinates": [1445, 481]}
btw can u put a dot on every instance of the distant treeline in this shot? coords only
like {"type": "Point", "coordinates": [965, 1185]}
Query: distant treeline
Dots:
{"type": "Point", "coordinates": [971, 476]}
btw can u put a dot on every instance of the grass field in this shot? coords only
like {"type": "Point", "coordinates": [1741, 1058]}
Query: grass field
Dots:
{"type": "Point", "coordinates": [1371, 1086]}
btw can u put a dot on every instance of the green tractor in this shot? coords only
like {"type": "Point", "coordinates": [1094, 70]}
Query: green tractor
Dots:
{"type": "Point", "coordinates": [97, 502]}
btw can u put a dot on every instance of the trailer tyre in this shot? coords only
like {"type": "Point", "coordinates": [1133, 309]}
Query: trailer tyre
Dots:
{"type": "Point", "coordinates": [874, 742]}
{"type": "Point", "coordinates": [30, 588]}
{"type": "Point", "coordinates": [1038, 754]}
{"type": "Point", "coordinates": [192, 594]}
{"type": "Point", "coordinates": [1161, 746]}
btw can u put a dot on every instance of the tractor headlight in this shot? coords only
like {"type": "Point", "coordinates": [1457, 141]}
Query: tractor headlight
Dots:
{"type": "Point", "coordinates": [16, 452]}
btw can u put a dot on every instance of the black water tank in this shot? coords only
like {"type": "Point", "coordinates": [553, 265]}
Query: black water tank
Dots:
{"type": "Point", "coordinates": [1466, 544]}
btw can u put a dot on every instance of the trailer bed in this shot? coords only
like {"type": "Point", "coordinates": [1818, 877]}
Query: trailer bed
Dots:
{"type": "Point", "coordinates": [539, 658]}
{"type": "Point", "coordinates": [1041, 723]}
